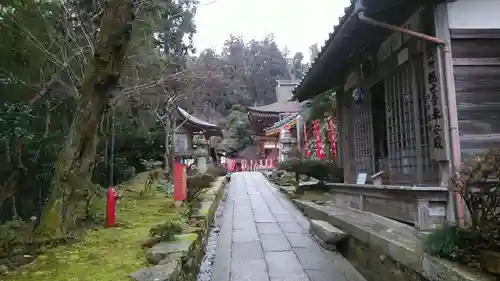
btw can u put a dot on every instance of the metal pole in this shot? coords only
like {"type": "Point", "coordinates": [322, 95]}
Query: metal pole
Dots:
{"type": "Point", "coordinates": [455, 153]}
{"type": "Point", "coordinates": [112, 149]}
{"type": "Point", "coordinates": [454, 148]}
{"type": "Point", "coordinates": [106, 147]}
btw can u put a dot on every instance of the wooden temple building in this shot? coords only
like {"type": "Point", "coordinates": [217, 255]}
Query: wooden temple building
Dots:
{"type": "Point", "coordinates": [416, 86]}
{"type": "Point", "coordinates": [268, 116]}
{"type": "Point", "coordinates": [191, 126]}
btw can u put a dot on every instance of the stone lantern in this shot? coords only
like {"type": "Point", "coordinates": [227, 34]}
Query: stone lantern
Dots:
{"type": "Point", "coordinates": [287, 143]}
{"type": "Point", "coordinates": [201, 155]}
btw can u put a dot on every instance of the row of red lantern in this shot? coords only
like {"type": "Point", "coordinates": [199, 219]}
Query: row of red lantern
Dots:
{"type": "Point", "coordinates": [318, 147]}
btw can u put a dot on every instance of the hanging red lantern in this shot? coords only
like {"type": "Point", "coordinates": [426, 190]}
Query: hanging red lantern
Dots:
{"type": "Point", "coordinates": [318, 145]}
{"type": "Point", "coordinates": [306, 143]}
{"type": "Point", "coordinates": [332, 133]}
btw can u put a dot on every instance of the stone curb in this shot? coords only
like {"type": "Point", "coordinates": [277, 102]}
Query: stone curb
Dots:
{"type": "Point", "coordinates": [188, 249]}
{"type": "Point", "coordinates": [209, 204]}
{"type": "Point", "coordinates": [432, 268]}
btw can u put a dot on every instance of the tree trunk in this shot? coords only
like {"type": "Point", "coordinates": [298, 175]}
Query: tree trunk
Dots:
{"type": "Point", "coordinates": [170, 130]}
{"type": "Point", "coordinates": [171, 148]}
{"type": "Point", "coordinates": [11, 186]}
{"type": "Point", "coordinates": [71, 184]}
{"type": "Point", "coordinates": [167, 146]}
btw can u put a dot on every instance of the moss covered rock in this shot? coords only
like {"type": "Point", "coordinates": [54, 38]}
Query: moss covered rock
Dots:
{"type": "Point", "coordinates": [283, 178]}
{"type": "Point", "coordinates": [163, 250]}
{"type": "Point", "coordinates": [162, 272]}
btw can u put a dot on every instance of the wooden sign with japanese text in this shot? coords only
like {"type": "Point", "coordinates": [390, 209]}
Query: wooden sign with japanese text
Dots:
{"type": "Point", "coordinates": [435, 103]}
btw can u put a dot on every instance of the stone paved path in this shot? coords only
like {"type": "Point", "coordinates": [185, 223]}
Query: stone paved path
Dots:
{"type": "Point", "coordinates": [265, 238]}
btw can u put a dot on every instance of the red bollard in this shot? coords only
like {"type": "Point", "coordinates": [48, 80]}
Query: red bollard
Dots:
{"type": "Point", "coordinates": [111, 197]}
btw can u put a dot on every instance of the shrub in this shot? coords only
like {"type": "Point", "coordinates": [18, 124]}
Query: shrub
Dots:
{"type": "Point", "coordinates": [478, 185]}
{"type": "Point", "coordinates": [455, 244]}
{"type": "Point", "coordinates": [8, 231]}
{"type": "Point", "coordinates": [319, 169]}
{"type": "Point", "coordinates": [122, 171]}
{"type": "Point", "coordinates": [196, 184]}
{"type": "Point", "coordinates": [443, 243]}
{"type": "Point", "coordinates": [216, 171]}
{"type": "Point", "coordinates": [283, 178]}
{"type": "Point", "coordinates": [164, 232]}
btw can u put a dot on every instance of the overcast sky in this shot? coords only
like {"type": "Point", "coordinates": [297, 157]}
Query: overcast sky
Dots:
{"type": "Point", "coordinates": [296, 24]}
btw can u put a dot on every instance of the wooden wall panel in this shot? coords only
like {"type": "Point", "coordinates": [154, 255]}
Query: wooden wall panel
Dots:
{"type": "Point", "coordinates": [475, 48]}
{"type": "Point", "coordinates": [477, 85]}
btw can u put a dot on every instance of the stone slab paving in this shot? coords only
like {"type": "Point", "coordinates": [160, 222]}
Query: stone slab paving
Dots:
{"type": "Point", "coordinates": [265, 238]}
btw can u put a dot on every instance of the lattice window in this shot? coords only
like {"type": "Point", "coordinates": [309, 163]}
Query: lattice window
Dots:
{"type": "Point", "coordinates": [362, 132]}
{"type": "Point", "coordinates": [350, 155]}
{"type": "Point", "coordinates": [407, 123]}
{"type": "Point", "coordinates": [402, 141]}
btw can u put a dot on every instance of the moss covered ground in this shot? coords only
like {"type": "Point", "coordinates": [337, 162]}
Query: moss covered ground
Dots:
{"type": "Point", "coordinates": [106, 254]}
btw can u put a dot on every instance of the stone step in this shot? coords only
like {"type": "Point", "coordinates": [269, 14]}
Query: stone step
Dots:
{"type": "Point", "coordinates": [326, 233]}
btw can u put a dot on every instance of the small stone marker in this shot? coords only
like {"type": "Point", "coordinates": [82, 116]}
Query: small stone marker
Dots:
{"type": "Point", "coordinates": [326, 232]}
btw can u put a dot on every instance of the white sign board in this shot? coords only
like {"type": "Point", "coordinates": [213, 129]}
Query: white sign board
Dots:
{"type": "Point", "coordinates": [437, 211]}
{"type": "Point", "coordinates": [361, 179]}
{"type": "Point", "coordinates": [181, 144]}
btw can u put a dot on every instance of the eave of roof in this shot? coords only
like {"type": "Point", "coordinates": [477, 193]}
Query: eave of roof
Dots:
{"type": "Point", "coordinates": [349, 39]}
{"type": "Point", "coordinates": [277, 130]}
{"type": "Point", "coordinates": [196, 121]}
{"type": "Point", "coordinates": [282, 122]}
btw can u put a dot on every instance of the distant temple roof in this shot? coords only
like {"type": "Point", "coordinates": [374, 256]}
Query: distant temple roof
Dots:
{"type": "Point", "coordinates": [267, 116]}
{"type": "Point", "coordinates": [290, 120]}
{"type": "Point", "coordinates": [284, 103]}
{"type": "Point", "coordinates": [277, 107]}
{"type": "Point", "coordinates": [197, 123]}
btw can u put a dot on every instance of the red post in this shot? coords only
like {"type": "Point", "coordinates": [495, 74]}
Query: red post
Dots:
{"type": "Point", "coordinates": [180, 185]}
{"type": "Point", "coordinates": [111, 197]}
